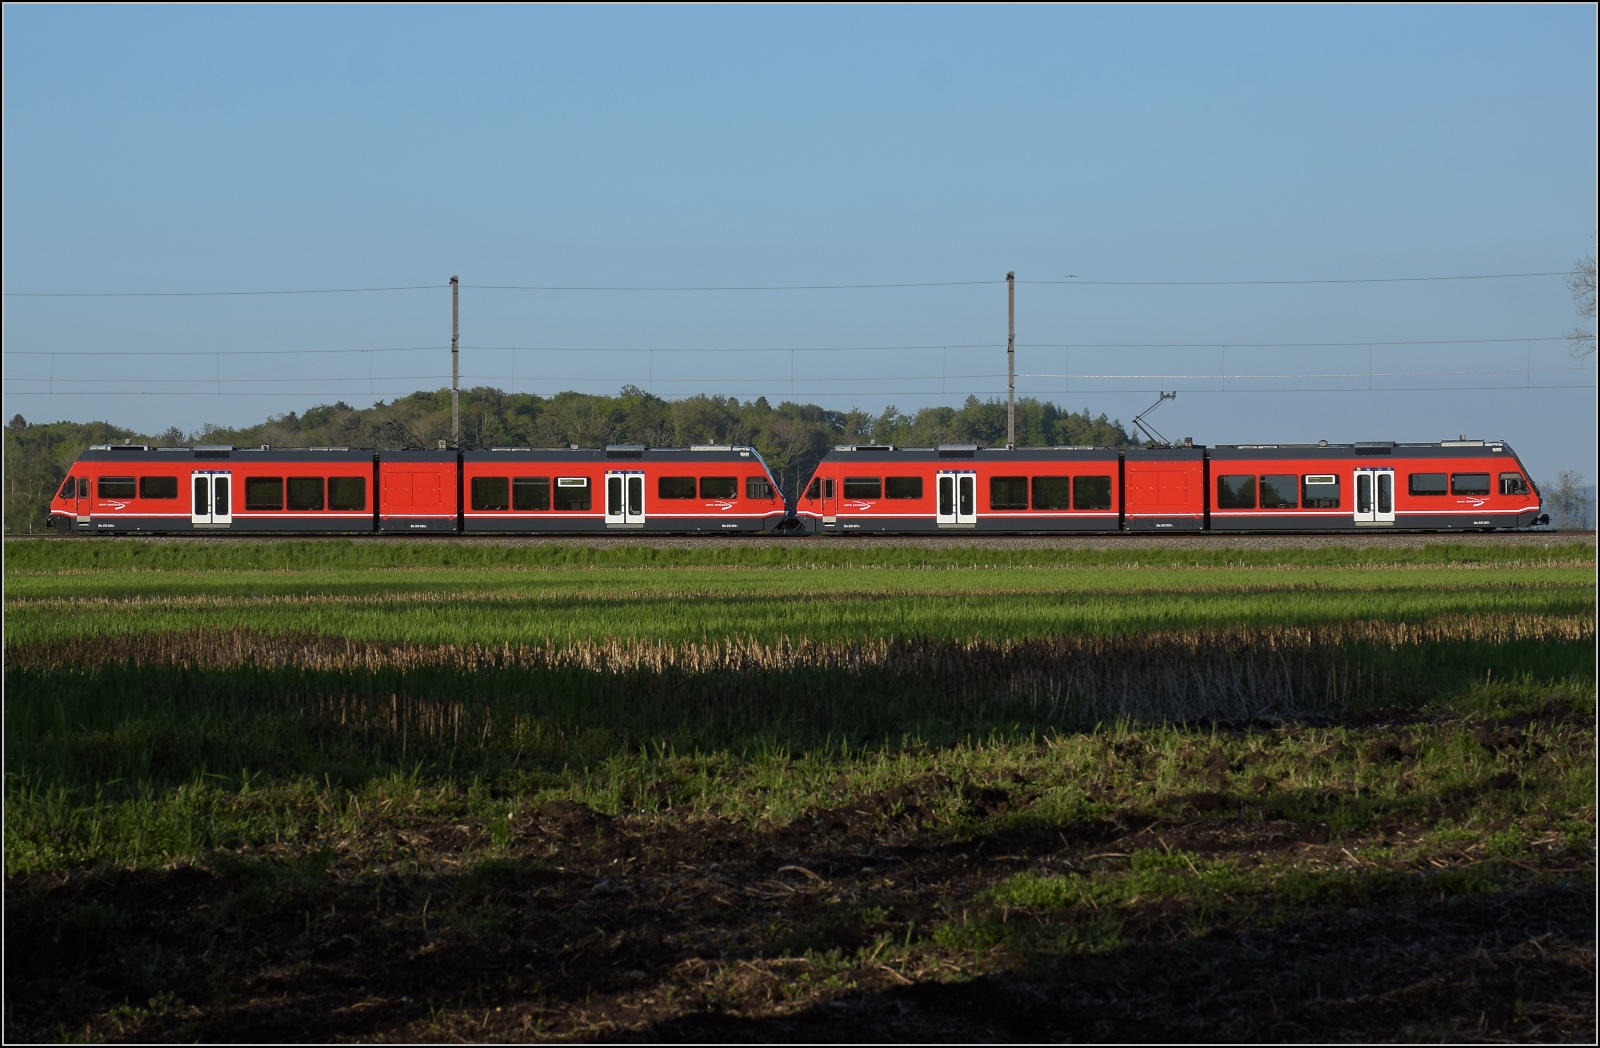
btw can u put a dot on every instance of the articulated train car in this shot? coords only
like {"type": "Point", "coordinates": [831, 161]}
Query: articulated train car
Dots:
{"type": "Point", "coordinates": [1455, 484]}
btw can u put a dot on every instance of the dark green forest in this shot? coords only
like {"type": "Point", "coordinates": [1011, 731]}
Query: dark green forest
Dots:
{"type": "Point", "coordinates": [791, 437]}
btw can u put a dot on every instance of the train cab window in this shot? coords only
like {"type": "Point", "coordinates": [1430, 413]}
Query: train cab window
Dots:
{"type": "Point", "coordinates": [263, 493]}
{"type": "Point", "coordinates": [158, 487]}
{"type": "Point", "coordinates": [719, 487]}
{"type": "Point", "coordinates": [1091, 492]}
{"type": "Point", "coordinates": [530, 493]}
{"type": "Point", "coordinates": [1426, 484]}
{"type": "Point", "coordinates": [66, 488]}
{"type": "Point", "coordinates": [491, 493]}
{"type": "Point", "coordinates": [1280, 491]}
{"type": "Point", "coordinates": [1008, 492]}
{"type": "Point", "coordinates": [757, 488]}
{"type": "Point", "coordinates": [815, 490]}
{"type": "Point", "coordinates": [1513, 484]}
{"type": "Point", "coordinates": [83, 487]}
{"type": "Point", "coordinates": [863, 488]}
{"type": "Point", "coordinates": [347, 493]}
{"type": "Point", "coordinates": [1052, 492]}
{"type": "Point", "coordinates": [305, 493]}
{"type": "Point", "coordinates": [572, 493]}
{"type": "Point", "coordinates": [117, 487]}
{"type": "Point", "coordinates": [675, 488]}
{"type": "Point", "coordinates": [1236, 492]}
{"type": "Point", "coordinates": [1321, 491]}
{"type": "Point", "coordinates": [1469, 483]}
{"type": "Point", "coordinates": [902, 487]}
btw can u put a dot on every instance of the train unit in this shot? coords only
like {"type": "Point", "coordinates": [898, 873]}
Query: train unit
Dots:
{"type": "Point", "coordinates": [133, 488]}
{"type": "Point", "coordinates": [1451, 485]}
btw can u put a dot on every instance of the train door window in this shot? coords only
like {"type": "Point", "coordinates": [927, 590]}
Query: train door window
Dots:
{"type": "Point", "coordinates": [347, 493]}
{"type": "Point", "coordinates": [1469, 484]}
{"type": "Point", "coordinates": [614, 497]}
{"type": "Point", "coordinates": [1321, 491]}
{"type": "Point", "coordinates": [966, 498]}
{"type": "Point", "coordinates": [572, 493]}
{"type": "Point", "coordinates": [68, 487]}
{"type": "Point", "coordinates": [1236, 492]}
{"type": "Point", "coordinates": [202, 496]}
{"type": "Point", "coordinates": [305, 493]}
{"type": "Point", "coordinates": [1091, 492]}
{"type": "Point", "coordinates": [675, 488]}
{"type": "Point", "coordinates": [1280, 491]}
{"type": "Point", "coordinates": [902, 487]}
{"type": "Point", "coordinates": [947, 498]}
{"type": "Point", "coordinates": [491, 493]}
{"type": "Point", "coordinates": [1513, 484]}
{"type": "Point", "coordinates": [83, 487]}
{"type": "Point", "coordinates": [815, 490]}
{"type": "Point", "coordinates": [263, 493]}
{"type": "Point", "coordinates": [1052, 493]}
{"type": "Point", "coordinates": [719, 487]}
{"type": "Point", "coordinates": [1008, 492]}
{"type": "Point", "coordinates": [117, 487]}
{"type": "Point", "coordinates": [220, 502]}
{"type": "Point", "coordinates": [1386, 495]}
{"type": "Point", "coordinates": [635, 497]}
{"type": "Point", "coordinates": [530, 493]}
{"type": "Point", "coordinates": [863, 487]}
{"type": "Point", "coordinates": [158, 487]}
{"type": "Point", "coordinates": [1426, 484]}
{"type": "Point", "coordinates": [1364, 494]}
{"type": "Point", "coordinates": [757, 488]}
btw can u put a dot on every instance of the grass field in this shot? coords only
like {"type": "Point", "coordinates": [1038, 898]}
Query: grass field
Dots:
{"type": "Point", "coordinates": [798, 790]}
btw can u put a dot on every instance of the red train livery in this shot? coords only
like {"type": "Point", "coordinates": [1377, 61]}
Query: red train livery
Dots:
{"type": "Point", "coordinates": [623, 488]}
{"type": "Point", "coordinates": [1454, 484]}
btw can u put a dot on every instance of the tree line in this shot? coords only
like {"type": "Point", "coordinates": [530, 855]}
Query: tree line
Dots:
{"type": "Point", "coordinates": [792, 437]}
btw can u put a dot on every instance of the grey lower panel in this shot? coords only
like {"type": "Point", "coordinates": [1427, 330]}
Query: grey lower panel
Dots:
{"type": "Point", "coordinates": [990, 526]}
{"type": "Point", "coordinates": [597, 526]}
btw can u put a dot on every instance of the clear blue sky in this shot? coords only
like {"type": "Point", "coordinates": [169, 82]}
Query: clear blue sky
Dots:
{"type": "Point", "coordinates": [244, 148]}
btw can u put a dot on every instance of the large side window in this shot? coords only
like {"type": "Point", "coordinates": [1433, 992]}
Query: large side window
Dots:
{"type": "Point", "coordinates": [490, 493]}
{"type": "Point", "coordinates": [719, 487]}
{"type": "Point", "coordinates": [305, 492]}
{"type": "Point", "coordinates": [1469, 483]}
{"type": "Point", "coordinates": [263, 493]}
{"type": "Point", "coordinates": [1091, 492]}
{"type": "Point", "coordinates": [158, 487]}
{"type": "Point", "coordinates": [1280, 491]}
{"type": "Point", "coordinates": [1426, 484]}
{"type": "Point", "coordinates": [572, 493]}
{"type": "Point", "coordinates": [530, 493]}
{"type": "Point", "coordinates": [902, 487]}
{"type": "Point", "coordinates": [1008, 492]}
{"type": "Point", "coordinates": [1513, 484]}
{"type": "Point", "coordinates": [675, 488]}
{"type": "Point", "coordinates": [863, 488]}
{"type": "Point", "coordinates": [117, 487]}
{"type": "Point", "coordinates": [347, 493]}
{"type": "Point", "coordinates": [1236, 492]}
{"type": "Point", "coordinates": [757, 488]}
{"type": "Point", "coordinates": [1052, 492]}
{"type": "Point", "coordinates": [1321, 491]}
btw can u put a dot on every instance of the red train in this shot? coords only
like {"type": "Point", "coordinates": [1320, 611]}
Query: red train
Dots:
{"type": "Point", "coordinates": [723, 489]}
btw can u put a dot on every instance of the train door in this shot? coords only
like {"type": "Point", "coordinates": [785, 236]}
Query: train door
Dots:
{"type": "Point", "coordinates": [625, 499]}
{"type": "Point", "coordinates": [82, 502]}
{"type": "Point", "coordinates": [1374, 496]}
{"type": "Point", "coordinates": [830, 501]}
{"type": "Point", "coordinates": [958, 499]}
{"type": "Point", "coordinates": [213, 498]}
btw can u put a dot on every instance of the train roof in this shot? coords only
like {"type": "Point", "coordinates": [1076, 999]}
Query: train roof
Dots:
{"type": "Point", "coordinates": [144, 453]}
{"type": "Point", "coordinates": [1322, 449]}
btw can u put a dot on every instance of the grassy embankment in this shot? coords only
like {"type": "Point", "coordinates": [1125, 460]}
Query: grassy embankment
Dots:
{"type": "Point", "coordinates": [568, 787]}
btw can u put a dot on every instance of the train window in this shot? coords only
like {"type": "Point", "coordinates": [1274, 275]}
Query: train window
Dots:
{"type": "Point", "coordinates": [1469, 484]}
{"type": "Point", "coordinates": [158, 487]}
{"type": "Point", "coordinates": [1513, 484]}
{"type": "Point", "coordinates": [117, 487]}
{"type": "Point", "coordinates": [1280, 491]}
{"type": "Point", "coordinates": [305, 492]}
{"type": "Point", "coordinates": [1008, 492]}
{"type": "Point", "coordinates": [675, 487]}
{"type": "Point", "coordinates": [530, 493]}
{"type": "Point", "coordinates": [83, 487]}
{"type": "Point", "coordinates": [572, 493]}
{"type": "Point", "coordinates": [1052, 492]}
{"type": "Point", "coordinates": [815, 490]}
{"type": "Point", "coordinates": [1426, 484]}
{"type": "Point", "coordinates": [863, 488]}
{"type": "Point", "coordinates": [1091, 492]}
{"type": "Point", "coordinates": [347, 493]}
{"type": "Point", "coordinates": [66, 488]}
{"type": "Point", "coordinates": [263, 493]}
{"type": "Point", "coordinates": [902, 487]}
{"type": "Point", "coordinates": [490, 493]}
{"type": "Point", "coordinates": [719, 487]}
{"type": "Point", "coordinates": [1321, 492]}
{"type": "Point", "coordinates": [1236, 492]}
{"type": "Point", "coordinates": [757, 488]}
